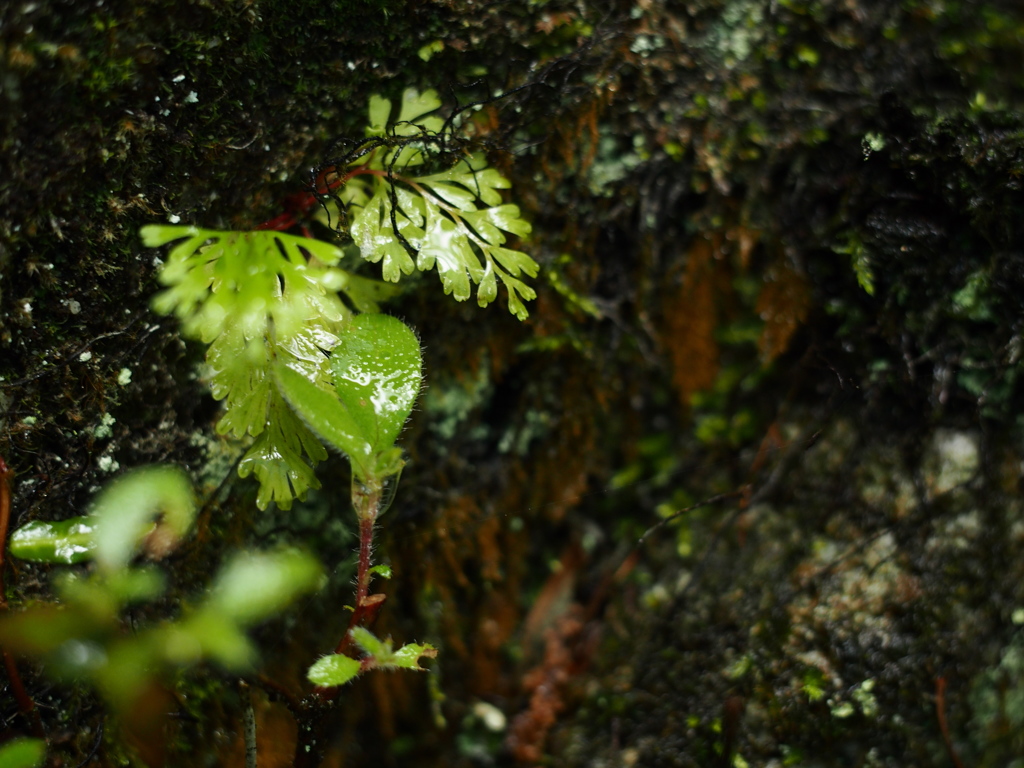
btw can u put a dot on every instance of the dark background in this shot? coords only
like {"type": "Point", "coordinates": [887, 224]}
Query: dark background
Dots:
{"type": "Point", "coordinates": [780, 248]}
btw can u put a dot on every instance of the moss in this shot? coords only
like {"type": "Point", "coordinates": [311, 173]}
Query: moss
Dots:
{"type": "Point", "coordinates": [852, 171]}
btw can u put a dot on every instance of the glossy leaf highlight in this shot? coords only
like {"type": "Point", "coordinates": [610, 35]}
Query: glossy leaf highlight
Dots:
{"type": "Point", "coordinates": [336, 669]}
{"type": "Point", "coordinates": [68, 541]}
{"type": "Point", "coordinates": [454, 221]}
{"type": "Point", "coordinates": [377, 372]}
{"type": "Point", "coordinates": [255, 298]}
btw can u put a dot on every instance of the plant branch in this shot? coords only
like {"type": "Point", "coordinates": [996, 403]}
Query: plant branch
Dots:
{"type": "Point", "coordinates": [940, 711]}
{"type": "Point", "coordinates": [21, 695]}
{"type": "Point", "coordinates": [366, 499]}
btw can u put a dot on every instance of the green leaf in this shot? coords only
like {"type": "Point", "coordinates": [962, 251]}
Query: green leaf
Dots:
{"type": "Point", "coordinates": [333, 670]}
{"type": "Point", "coordinates": [408, 656]}
{"type": "Point", "coordinates": [68, 542]}
{"type": "Point", "coordinates": [126, 586]}
{"type": "Point", "coordinates": [22, 753]}
{"type": "Point", "coordinates": [256, 584]}
{"type": "Point", "coordinates": [124, 513]}
{"type": "Point", "coordinates": [377, 371]}
{"type": "Point", "coordinates": [384, 571]}
{"type": "Point", "coordinates": [384, 657]}
{"type": "Point", "coordinates": [371, 644]}
{"type": "Point", "coordinates": [380, 111]}
{"type": "Point", "coordinates": [276, 456]}
{"type": "Point", "coordinates": [327, 416]}
{"type": "Point", "coordinates": [440, 219]}
{"type": "Point", "coordinates": [43, 629]}
{"type": "Point", "coordinates": [454, 220]}
{"type": "Point", "coordinates": [205, 634]}
{"type": "Point", "coordinates": [257, 297]}
{"type": "Point", "coordinates": [411, 117]}
{"type": "Point", "coordinates": [415, 104]}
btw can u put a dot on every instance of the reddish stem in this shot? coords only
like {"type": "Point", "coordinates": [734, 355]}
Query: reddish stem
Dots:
{"type": "Point", "coordinates": [21, 695]}
{"type": "Point", "coordinates": [5, 521]}
{"type": "Point", "coordinates": [366, 501]}
{"type": "Point", "coordinates": [365, 555]}
{"type": "Point", "coordinates": [301, 204]}
{"type": "Point", "coordinates": [313, 728]}
{"type": "Point", "coordinates": [25, 703]}
{"type": "Point", "coordinates": [940, 711]}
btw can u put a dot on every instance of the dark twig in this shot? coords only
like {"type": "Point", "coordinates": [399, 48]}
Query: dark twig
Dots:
{"type": "Point", "coordinates": [249, 721]}
{"type": "Point", "coordinates": [693, 507]}
{"type": "Point", "coordinates": [940, 711]}
{"type": "Point", "coordinates": [95, 747]}
{"type": "Point", "coordinates": [5, 521]}
{"type": "Point", "coordinates": [275, 690]}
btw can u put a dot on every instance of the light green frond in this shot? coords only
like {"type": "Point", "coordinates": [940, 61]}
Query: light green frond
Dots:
{"type": "Point", "coordinates": [257, 297]}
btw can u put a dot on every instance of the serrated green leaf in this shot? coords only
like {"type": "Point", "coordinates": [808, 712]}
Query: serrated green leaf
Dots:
{"type": "Point", "coordinates": [124, 512]}
{"type": "Point", "coordinates": [333, 670]}
{"type": "Point", "coordinates": [328, 417]}
{"type": "Point", "coordinates": [416, 104]}
{"type": "Point", "coordinates": [383, 654]}
{"type": "Point", "coordinates": [384, 571]}
{"type": "Point", "coordinates": [378, 649]}
{"type": "Point", "coordinates": [378, 371]}
{"type": "Point", "coordinates": [408, 656]}
{"type": "Point", "coordinates": [68, 541]}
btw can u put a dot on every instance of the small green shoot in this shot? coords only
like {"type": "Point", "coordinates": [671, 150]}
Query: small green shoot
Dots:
{"type": "Point", "coordinates": [338, 669]}
{"type": "Point", "coordinates": [151, 509]}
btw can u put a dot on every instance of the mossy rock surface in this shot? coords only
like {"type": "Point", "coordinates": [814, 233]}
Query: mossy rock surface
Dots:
{"type": "Point", "coordinates": [780, 250]}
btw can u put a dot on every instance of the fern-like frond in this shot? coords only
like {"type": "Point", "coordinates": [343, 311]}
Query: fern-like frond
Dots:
{"type": "Point", "coordinates": [454, 221]}
{"type": "Point", "coordinates": [255, 297]}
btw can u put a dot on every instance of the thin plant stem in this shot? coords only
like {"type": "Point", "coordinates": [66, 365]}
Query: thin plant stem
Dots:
{"type": "Point", "coordinates": [365, 556]}
{"type": "Point", "coordinates": [5, 521]}
{"type": "Point", "coordinates": [249, 721]}
{"type": "Point", "coordinates": [312, 733]}
{"type": "Point", "coordinates": [21, 695]}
